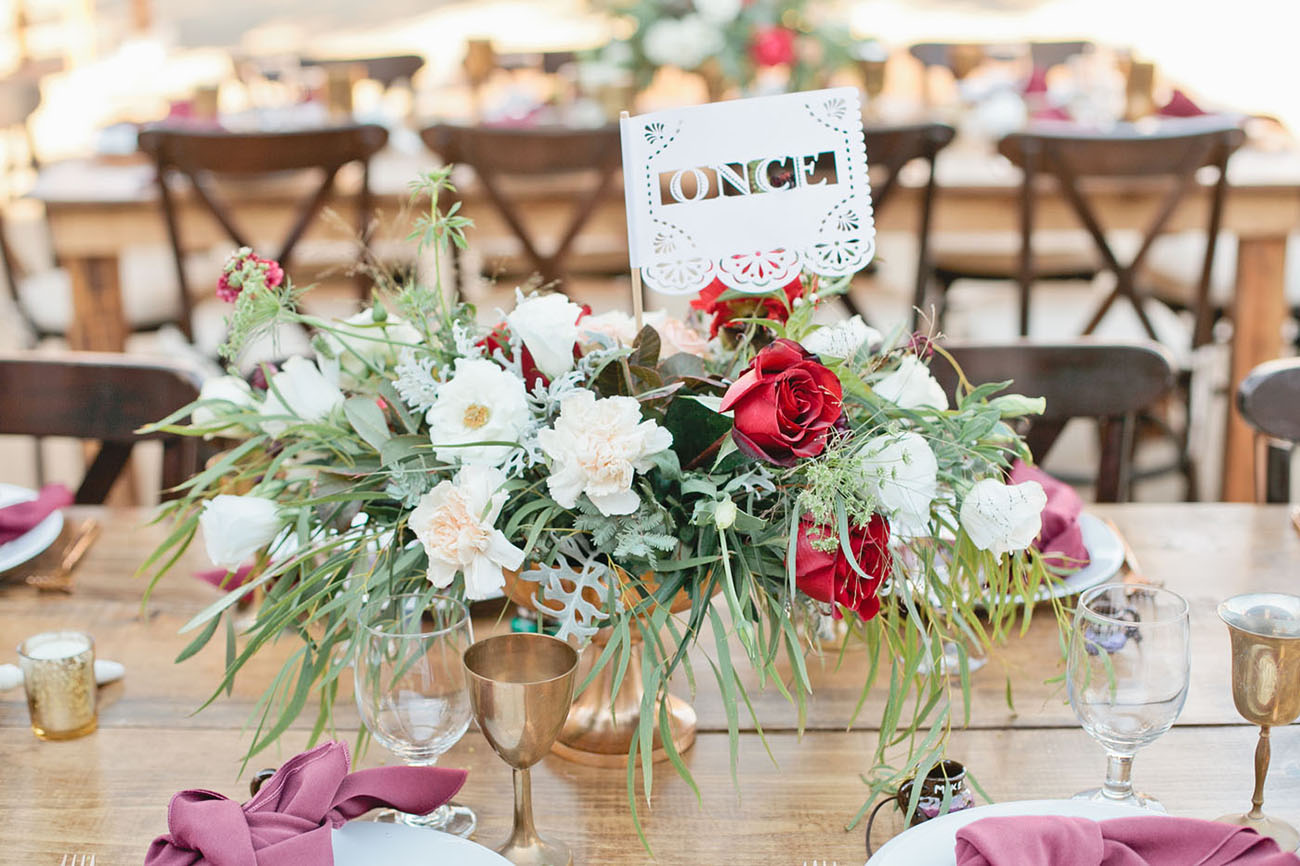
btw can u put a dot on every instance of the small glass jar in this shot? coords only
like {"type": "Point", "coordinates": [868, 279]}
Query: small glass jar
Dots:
{"type": "Point", "coordinates": [59, 678]}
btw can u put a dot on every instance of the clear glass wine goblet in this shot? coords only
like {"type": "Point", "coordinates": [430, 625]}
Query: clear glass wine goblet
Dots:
{"type": "Point", "coordinates": [411, 688]}
{"type": "Point", "coordinates": [1127, 674]}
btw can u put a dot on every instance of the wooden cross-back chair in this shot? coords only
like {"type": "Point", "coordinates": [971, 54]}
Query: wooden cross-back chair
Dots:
{"type": "Point", "coordinates": [201, 156]}
{"type": "Point", "coordinates": [1045, 55]}
{"type": "Point", "coordinates": [1175, 153]}
{"type": "Point", "coordinates": [889, 148]}
{"type": "Point", "coordinates": [387, 70]}
{"type": "Point", "coordinates": [104, 397]}
{"type": "Point", "coordinates": [1269, 400]}
{"type": "Point", "coordinates": [1109, 382]}
{"type": "Point", "coordinates": [498, 155]}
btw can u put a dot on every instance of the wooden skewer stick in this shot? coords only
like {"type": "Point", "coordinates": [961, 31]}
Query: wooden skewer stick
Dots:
{"type": "Point", "coordinates": [638, 312]}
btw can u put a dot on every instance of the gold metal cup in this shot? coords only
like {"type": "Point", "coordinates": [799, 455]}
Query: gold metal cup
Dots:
{"type": "Point", "coordinates": [59, 678]}
{"type": "Point", "coordinates": [521, 687]}
{"type": "Point", "coordinates": [1265, 632]}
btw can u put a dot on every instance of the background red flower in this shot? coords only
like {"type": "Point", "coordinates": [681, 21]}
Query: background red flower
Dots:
{"type": "Point", "coordinates": [767, 306]}
{"type": "Point", "coordinates": [829, 577]}
{"type": "Point", "coordinates": [772, 46]}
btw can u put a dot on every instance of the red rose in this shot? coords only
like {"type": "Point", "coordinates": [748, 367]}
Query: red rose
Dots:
{"type": "Point", "coordinates": [786, 404]}
{"type": "Point", "coordinates": [828, 576]}
{"type": "Point", "coordinates": [772, 46]}
{"type": "Point", "coordinates": [768, 306]}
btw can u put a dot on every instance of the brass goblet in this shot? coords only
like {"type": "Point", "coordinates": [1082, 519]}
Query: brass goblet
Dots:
{"type": "Point", "coordinates": [521, 687]}
{"type": "Point", "coordinates": [1265, 631]}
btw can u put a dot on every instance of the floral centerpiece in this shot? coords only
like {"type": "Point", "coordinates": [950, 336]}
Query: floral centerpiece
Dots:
{"type": "Point", "coordinates": [714, 486]}
{"type": "Point", "coordinates": [731, 42]}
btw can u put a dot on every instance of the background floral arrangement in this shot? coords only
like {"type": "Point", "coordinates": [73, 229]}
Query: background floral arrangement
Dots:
{"type": "Point", "coordinates": [766, 469]}
{"type": "Point", "coordinates": [731, 41]}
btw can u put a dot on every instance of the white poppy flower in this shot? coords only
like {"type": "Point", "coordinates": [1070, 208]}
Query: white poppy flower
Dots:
{"type": "Point", "coordinates": [548, 326]}
{"type": "Point", "coordinates": [456, 523]}
{"type": "Point", "coordinates": [1001, 518]}
{"type": "Point", "coordinates": [236, 527]}
{"type": "Point", "coordinates": [843, 339]}
{"type": "Point", "coordinates": [596, 447]}
{"type": "Point", "coordinates": [481, 403]}
{"type": "Point", "coordinates": [901, 472]}
{"type": "Point", "coordinates": [306, 394]}
{"type": "Point", "coordinates": [231, 389]}
{"type": "Point", "coordinates": [912, 387]}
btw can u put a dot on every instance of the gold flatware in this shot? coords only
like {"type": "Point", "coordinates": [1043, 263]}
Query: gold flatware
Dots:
{"type": "Point", "coordinates": [1133, 573]}
{"type": "Point", "coordinates": [61, 579]}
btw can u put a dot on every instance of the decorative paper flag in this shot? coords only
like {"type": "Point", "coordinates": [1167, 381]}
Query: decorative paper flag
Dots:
{"type": "Point", "coordinates": [750, 191]}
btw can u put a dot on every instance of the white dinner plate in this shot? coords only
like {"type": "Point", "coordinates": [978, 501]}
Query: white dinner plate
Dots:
{"type": "Point", "coordinates": [1105, 556]}
{"type": "Point", "coordinates": [934, 842]}
{"type": "Point", "coordinates": [367, 843]}
{"type": "Point", "coordinates": [36, 539]}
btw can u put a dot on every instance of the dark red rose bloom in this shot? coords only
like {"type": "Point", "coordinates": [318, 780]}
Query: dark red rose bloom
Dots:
{"type": "Point", "coordinates": [787, 404]}
{"type": "Point", "coordinates": [828, 576]}
{"type": "Point", "coordinates": [772, 46]}
{"type": "Point", "coordinates": [768, 306]}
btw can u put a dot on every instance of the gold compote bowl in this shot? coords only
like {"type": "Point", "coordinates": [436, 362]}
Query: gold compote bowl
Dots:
{"type": "Point", "coordinates": [1265, 631]}
{"type": "Point", "coordinates": [521, 687]}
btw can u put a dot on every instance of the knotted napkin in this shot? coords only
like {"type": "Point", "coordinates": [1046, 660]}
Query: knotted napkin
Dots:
{"type": "Point", "coordinates": [1180, 105]}
{"type": "Point", "coordinates": [1157, 840]}
{"type": "Point", "coordinates": [1061, 539]}
{"type": "Point", "coordinates": [22, 517]}
{"type": "Point", "coordinates": [289, 822]}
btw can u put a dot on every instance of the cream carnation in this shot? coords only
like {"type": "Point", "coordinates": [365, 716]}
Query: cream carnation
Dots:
{"type": "Point", "coordinates": [456, 523]}
{"type": "Point", "coordinates": [481, 403]}
{"type": "Point", "coordinates": [596, 447]}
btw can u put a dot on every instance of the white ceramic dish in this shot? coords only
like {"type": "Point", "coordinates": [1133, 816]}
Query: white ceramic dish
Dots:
{"type": "Point", "coordinates": [1105, 557]}
{"type": "Point", "coordinates": [367, 843]}
{"type": "Point", "coordinates": [35, 540]}
{"type": "Point", "coordinates": [933, 843]}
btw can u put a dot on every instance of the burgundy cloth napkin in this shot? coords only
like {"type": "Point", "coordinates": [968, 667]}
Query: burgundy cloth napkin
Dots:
{"type": "Point", "coordinates": [288, 823]}
{"type": "Point", "coordinates": [1159, 840]}
{"type": "Point", "coordinates": [217, 577]}
{"type": "Point", "coordinates": [1052, 113]}
{"type": "Point", "coordinates": [1180, 105]}
{"type": "Point", "coordinates": [1037, 83]}
{"type": "Point", "coordinates": [1061, 539]}
{"type": "Point", "coordinates": [22, 517]}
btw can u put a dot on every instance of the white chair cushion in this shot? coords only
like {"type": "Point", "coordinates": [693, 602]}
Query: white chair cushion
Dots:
{"type": "Point", "coordinates": [1173, 267]}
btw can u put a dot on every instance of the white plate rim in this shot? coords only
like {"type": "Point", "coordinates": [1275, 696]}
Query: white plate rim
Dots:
{"type": "Point", "coordinates": [955, 821]}
{"type": "Point", "coordinates": [441, 847]}
{"type": "Point", "coordinates": [33, 542]}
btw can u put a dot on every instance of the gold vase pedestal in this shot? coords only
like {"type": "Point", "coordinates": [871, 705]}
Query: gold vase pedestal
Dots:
{"type": "Point", "coordinates": [1265, 632]}
{"type": "Point", "coordinates": [598, 732]}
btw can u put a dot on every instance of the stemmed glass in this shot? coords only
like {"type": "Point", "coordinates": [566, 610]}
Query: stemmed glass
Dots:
{"type": "Point", "coordinates": [1127, 672]}
{"type": "Point", "coordinates": [411, 688]}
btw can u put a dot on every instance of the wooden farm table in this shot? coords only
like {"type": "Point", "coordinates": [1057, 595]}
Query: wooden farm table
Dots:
{"type": "Point", "coordinates": [107, 793]}
{"type": "Point", "coordinates": [95, 210]}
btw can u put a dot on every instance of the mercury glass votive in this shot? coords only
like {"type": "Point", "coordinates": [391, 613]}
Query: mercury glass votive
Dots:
{"type": "Point", "coordinates": [59, 677]}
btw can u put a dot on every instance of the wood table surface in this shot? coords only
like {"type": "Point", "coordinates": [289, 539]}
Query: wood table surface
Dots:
{"type": "Point", "coordinates": [97, 209]}
{"type": "Point", "coordinates": [107, 793]}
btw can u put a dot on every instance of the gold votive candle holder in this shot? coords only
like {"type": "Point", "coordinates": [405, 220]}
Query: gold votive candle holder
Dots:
{"type": "Point", "coordinates": [59, 678]}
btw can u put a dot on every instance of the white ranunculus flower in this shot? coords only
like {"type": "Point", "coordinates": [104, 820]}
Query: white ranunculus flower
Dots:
{"type": "Point", "coordinates": [456, 523]}
{"type": "Point", "coordinates": [361, 342]}
{"type": "Point", "coordinates": [306, 394]}
{"type": "Point", "coordinates": [596, 447]}
{"type": "Point", "coordinates": [684, 42]}
{"type": "Point", "coordinates": [236, 527]}
{"type": "Point", "coordinates": [481, 403]}
{"type": "Point", "coordinates": [548, 326]}
{"type": "Point", "coordinates": [901, 472]}
{"type": "Point", "coordinates": [1001, 517]}
{"type": "Point", "coordinates": [843, 339]}
{"type": "Point", "coordinates": [231, 389]}
{"type": "Point", "coordinates": [718, 11]}
{"type": "Point", "coordinates": [912, 387]}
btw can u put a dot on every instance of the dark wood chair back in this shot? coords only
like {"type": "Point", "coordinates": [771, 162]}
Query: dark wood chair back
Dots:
{"type": "Point", "coordinates": [104, 397]}
{"type": "Point", "coordinates": [1045, 55]}
{"type": "Point", "coordinates": [1174, 153]}
{"type": "Point", "coordinates": [1111, 382]}
{"type": "Point", "coordinates": [200, 157]}
{"type": "Point", "coordinates": [386, 70]}
{"type": "Point", "coordinates": [958, 57]}
{"type": "Point", "coordinates": [1269, 400]}
{"type": "Point", "coordinates": [889, 148]}
{"type": "Point", "coordinates": [498, 155]}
